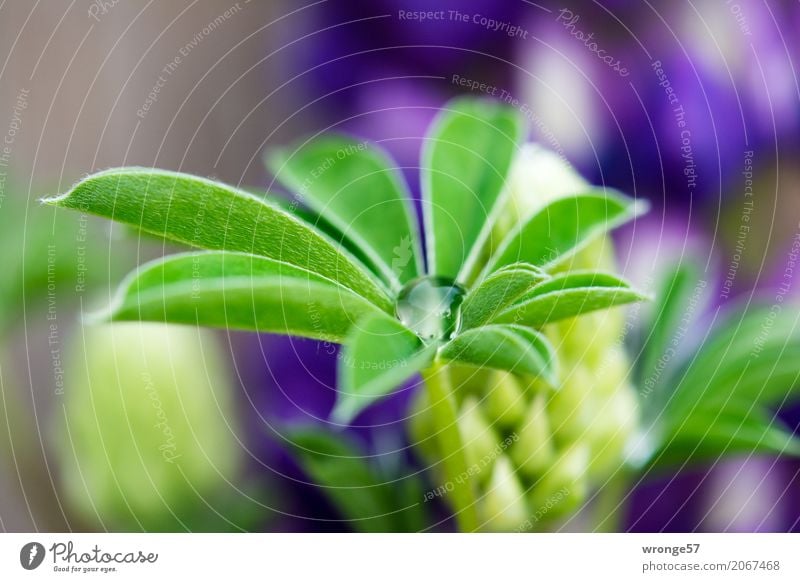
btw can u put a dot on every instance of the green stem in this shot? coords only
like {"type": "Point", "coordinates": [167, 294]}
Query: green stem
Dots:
{"type": "Point", "coordinates": [454, 461]}
{"type": "Point", "coordinates": [609, 510]}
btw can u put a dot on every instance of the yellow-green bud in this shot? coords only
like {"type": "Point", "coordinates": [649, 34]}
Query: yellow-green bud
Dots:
{"type": "Point", "coordinates": [503, 507]}
{"type": "Point", "coordinates": [534, 451]}
{"type": "Point", "coordinates": [505, 401]}
{"type": "Point", "coordinates": [566, 480]}
{"type": "Point", "coordinates": [479, 439]}
{"type": "Point", "coordinates": [611, 430]}
{"type": "Point", "coordinates": [569, 407]}
{"type": "Point", "coordinates": [147, 432]}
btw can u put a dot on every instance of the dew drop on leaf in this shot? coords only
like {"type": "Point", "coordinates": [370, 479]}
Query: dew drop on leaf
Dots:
{"type": "Point", "coordinates": [431, 307]}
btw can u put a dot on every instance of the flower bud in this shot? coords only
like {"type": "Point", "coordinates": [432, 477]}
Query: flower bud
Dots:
{"type": "Point", "coordinates": [538, 176]}
{"type": "Point", "coordinates": [147, 435]}
{"type": "Point", "coordinates": [503, 507]}
{"type": "Point", "coordinates": [534, 450]}
{"type": "Point", "coordinates": [480, 441]}
{"type": "Point", "coordinates": [569, 407]}
{"type": "Point", "coordinates": [565, 480]}
{"type": "Point", "coordinates": [612, 430]}
{"type": "Point", "coordinates": [505, 401]}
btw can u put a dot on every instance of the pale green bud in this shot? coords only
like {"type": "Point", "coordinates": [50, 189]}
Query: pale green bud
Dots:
{"type": "Point", "coordinates": [505, 401]}
{"type": "Point", "coordinates": [538, 176]}
{"type": "Point", "coordinates": [612, 430]}
{"type": "Point", "coordinates": [569, 407]}
{"type": "Point", "coordinates": [534, 451]}
{"type": "Point", "coordinates": [565, 480]}
{"type": "Point", "coordinates": [480, 441]}
{"type": "Point", "coordinates": [147, 433]}
{"type": "Point", "coordinates": [503, 507]}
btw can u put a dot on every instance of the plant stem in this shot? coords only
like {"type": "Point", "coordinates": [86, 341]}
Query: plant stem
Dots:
{"type": "Point", "coordinates": [609, 510]}
{"type": "Point", "coordinates": [454, 461]}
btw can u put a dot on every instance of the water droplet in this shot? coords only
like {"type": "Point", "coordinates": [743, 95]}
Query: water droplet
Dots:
{"type": "Point", "coordinates": [431, 307]}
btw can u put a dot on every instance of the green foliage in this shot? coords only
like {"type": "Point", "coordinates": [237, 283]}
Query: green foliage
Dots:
{"type": "Point", "coordinates": [354, 186]}
{"type": "Point", "coordinates": [565, 226]}
{"type": "Point", "coordinates": [366, 499]}
{"type": "Point", "coordinates": [209, 215]}
{"type": "Point", "coordinates": [347, 267]}
{"type": "Point", "coordinates": [241, 291]}
{"type": "Point", "coordinates": [718, 396]}
{"type": "Point", "coordinates": [497, 291]}
{"type": "Point", "coordinates": [504, 347]}
{"type": "Point", "coordinates": [278, 268]}
{"type": "Point", "coordinates": [465, 161]}
{"type": "Point", "coordinates": [46, 250]}
{"type": "Point", "coordinates": [379, 355]}
{"type": "Point", "coordinates": [567, 295]}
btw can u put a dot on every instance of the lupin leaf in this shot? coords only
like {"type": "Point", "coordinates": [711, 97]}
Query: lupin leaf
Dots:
{"type": "Point", "coordinates": [348, 479]}
{"type": "Point", "coordinates": [565, 226]}
{"type": "Point", "coordinates": [356, 188]}
{"type": "Point", "coordinates": [513, 348]}
{"type": "Point", "coordinates": [465, 161]}
{"type": "Point", "coordinates": [715, 428]}
{"type": "Point", "coordinates": [239, 291]}
{"type": "Point", "coordinates": [498, 291]}
{"type": "Point", "coordinates": [379, 355]}
{"type": "Point", "coordinates": [725, 397]}
{"type": "Point", "coordinates": [568, 295]}
{"type": "Point", "coordinates": [210, 215]}
{"type": "Point", "coordinates": [674, 303]}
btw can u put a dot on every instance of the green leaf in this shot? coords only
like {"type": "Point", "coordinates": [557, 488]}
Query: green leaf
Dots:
{"type": "Point", "coordinates": [568, 295]}
{"type": "Point", "coordinates": [719, 427]}
{"type": "Point", "coordinates": [378, 356]}
{"type": "Point", "coordinates": [753, 357]}
{"type": "Point", "coordinates": [564, 227]}
{"type": "Point", "coordinates": [498, 291]}
{"type": "Point", "coordinates": [504, 347]}
{"type": "Point", "coordinates": [239, 291]}
{"type": "Point", "coordinates": [347, 479]}
{"type": "Point", "coordinates": [356, 188]}
{"type": "Point", "coordinates": [465, 161]}
{"type": "Point", "coordinates": [724, 396]}
{"type": "Point", "coordinates": [206, 214]}
{"type": "Point", "coordinates": [674, 303]}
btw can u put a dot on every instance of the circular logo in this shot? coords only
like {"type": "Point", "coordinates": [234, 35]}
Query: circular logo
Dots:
{"type": "Point", "coordinates": [31, 555]}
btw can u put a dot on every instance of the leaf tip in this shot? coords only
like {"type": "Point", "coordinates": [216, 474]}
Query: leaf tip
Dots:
{"type": "Point", "coordinates": [55, 200]}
